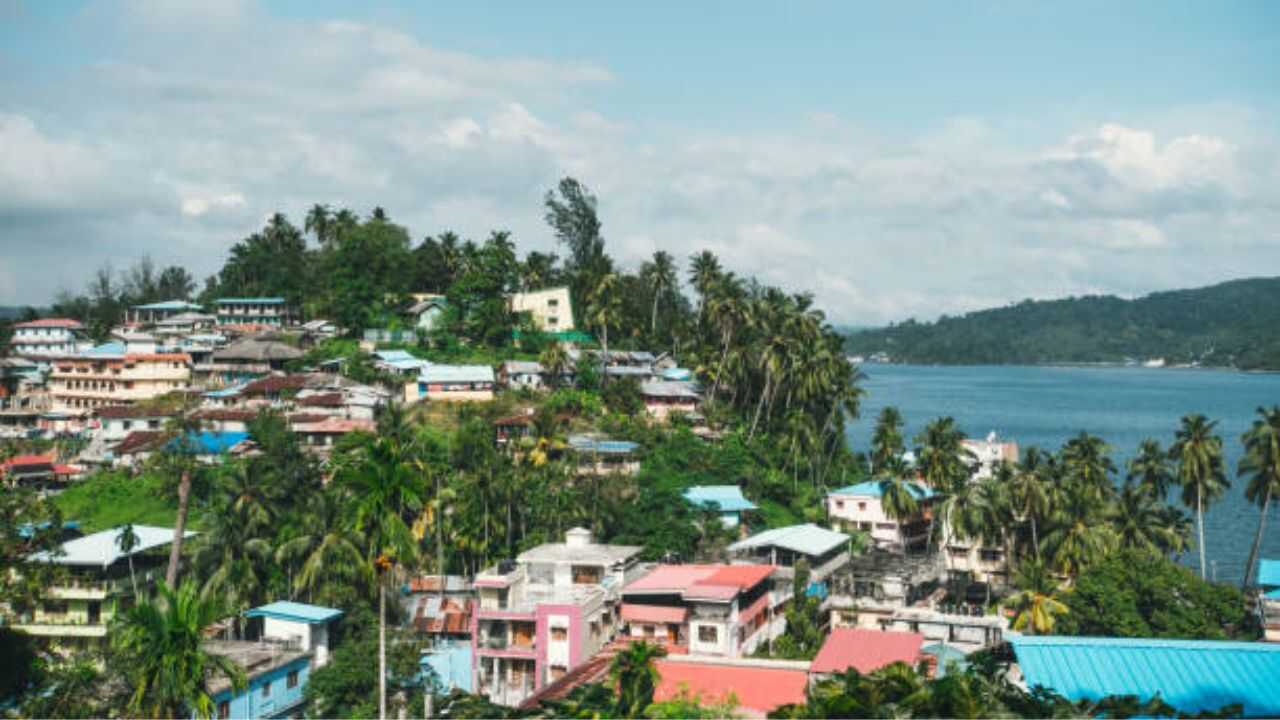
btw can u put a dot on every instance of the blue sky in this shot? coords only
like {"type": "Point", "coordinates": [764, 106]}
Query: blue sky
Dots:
{"type": "Point", "coordinates": [945, 156]}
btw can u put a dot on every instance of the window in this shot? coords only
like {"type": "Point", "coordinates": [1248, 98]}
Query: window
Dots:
{"type": "Point", "coordinates": [224, 710]}
{"type": "Point", "coordinates": [708, 633]}
{"type": "Point", "coordinates": [839, 504]}
{"type": "Point", "coordinates": [292, 681]}
{"type": "Point", "coordinates": [266, 689]}
{"type": "Point", "coordinates": [553, 302]}
{"type": "Point", "coordinates": [862, 506]}
{"type": "Point", "coordinates": [887, 526]}
{"type": "Point", "coordinates": [649, 631]}
{"type": "Point", "coordinates": [559, 634]}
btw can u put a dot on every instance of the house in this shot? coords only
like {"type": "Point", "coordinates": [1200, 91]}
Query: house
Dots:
{"type": "Point", "coordinates": [724, 610]}
{"type": "Point", "coordinates": [293, 643]}
{"type": "Point", "coordinates": [755, 687]}
{"type": "Point", "coordinates": [225, 419]}
{"type": "Point", "coordinates": [42, 472]}
{"type": "Point", "coordinates": [246, 359]}
{"type": "Point", "coordinates": [516, 374]}
{"type": "Point", "coordinates": [51, 337]}
{"type": "Point", "coordinates": [136, 447]}
{"type": "Point", "coordinates": [551, 309]}
{"type": "Point", "coordinates": [209, 446]}
{"type": "Point", "coordinates": [135, 341]}
{"type": "Point", "coordinates": [399, 362]}
{"type": "Point", "coordinates": [273, 390]}
{"type": "Point", "coordinates": [319, 329]}
{"type": "Point", "coordinates": [23, 396]}
{"type": "Point", "coordinates": [76, 611]}
{"type": "Point", "coordinates": [860, 507]}
{"type": "Point", "coordinates": [987, 454]}
{"type": "Point", "coordinates": [725, 500]}
{"type": "Point", "coordinates": [440, 608]}
{"type": "Point", "coordinates": [102, 377]}
{"type": "Point", "coordinates": [186, 323]}
{"type": "Point", "coordinates": [154, 313]}
{"type": "Point", "coordinates": [322, 435]}
{"type": "Point", "coordinates": [451, 383]}
{"type": "Point", "coordinates": [825, 551]}
{"type": "Point", "coordinates": [546, 612]}
{"type": "Point", "coordinates": [267, 311]}
{"type": "Point", "coordinates": [1194, 676]}
{"type": "Point", "coordinates": [427, 312]}
{"type": "Point", "coordinates": [117, 421]}
{"type": "Point", "coordinates": [1268, 580]}
{"type": "Point", "coordinates": [965, 632]}
{"type": "Point", "coordinates": [601, 456]}
{"type": "Point", "coordinates": [865, 650]}
{"type": "Point", "coordinates": [662, 399]}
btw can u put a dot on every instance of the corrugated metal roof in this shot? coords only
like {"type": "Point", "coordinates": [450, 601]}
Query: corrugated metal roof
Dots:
{"type": "Point", "coordinates": [169, 305]}
{"type": "Point", "coordinates": [297, 612]}
{"type": "Point", "coordinates": [585, 443]}
{"type": "Point", "coordinates": [208, 443]}
{"type": "Point", "coordinates": [101, 549]}
{"type": "Point", "coordinates": [456, 373]}
{"type": "Point", "coordinates": [726, 498]}
{"type": "Point", "coordinates": [758, 688]}
{"type": "Point", "coordinates": [866, 650]}
{"type": "Point", "coordinates": [1269, 572]}
{"type": "Point", "coordinates": [670, 389]}
{"type": "Point", "coordinates": [251, 301]}
{"type": "Point", "coordinates": [1191, 675]}
{"type": "Point", "coordinates": [808, 539]}
{"type": "Point", "coordinates": [875, 488]}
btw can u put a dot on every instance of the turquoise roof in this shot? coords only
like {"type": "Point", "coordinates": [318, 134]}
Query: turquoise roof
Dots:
{"type": "Point", "coordinates": [169, 305]}
{"type": "Point", "coordinates": [297, 612]}
{"type": "Point", "coordinates": [251, 301]}
{"type": "Point", "coordinates": [807, 539]}
{"type": "Point", "coordinates": [726, 498]}
{"type": "Point", "coordinates": [208, 443]}
{"type": "Point", "coordinates": [875, 488]}
{"type": "Point", "coordinates": [1191, 675]}
{"type": "Point", "coordinates": [1269, 572]}
{"type": "Point", "coordinates": [1272, 594]}
{"type": "Point", "coordinates": [105, 349]}
{"type": "Point", "coordinates": [946, 655]}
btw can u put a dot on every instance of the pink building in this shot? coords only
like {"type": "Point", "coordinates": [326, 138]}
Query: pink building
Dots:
{"type": "Point", "coordinates": [544, 613]}
{"type": "Point", "coordinates": [861, 507]}
{"type": "Point", "coordinates": [721, 610]}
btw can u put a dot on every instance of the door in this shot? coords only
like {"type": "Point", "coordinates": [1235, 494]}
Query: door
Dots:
{"type": "Point", "coordinates": [95, 612]}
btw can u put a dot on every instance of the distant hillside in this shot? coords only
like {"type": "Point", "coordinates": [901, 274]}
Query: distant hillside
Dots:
{"type": "Point", "coordinates": [1234, 324]}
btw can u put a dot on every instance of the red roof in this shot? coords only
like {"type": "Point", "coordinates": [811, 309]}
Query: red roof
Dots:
{"type": "Point", "coordinates": [333, 399]}
{"type": "Point", "coordinates": [51, 323]}
{"type": "Point", "coordinates": [632, 612]}
{"type": "Point", "coordinates": [18, 461]}
{"type": "Point", "coordinates": [140, 440]}
{"type": "Point", "coordinates": [730, 580]}
{"type": "Point", "coordinates": [758, 690]}
{"type": "Point", "coordinates": [716, 581]}
{"type": "Point", "coordinates": [866, 650]}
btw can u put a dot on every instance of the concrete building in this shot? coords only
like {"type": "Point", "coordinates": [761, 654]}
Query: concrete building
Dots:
{"type": "Point", "coordinates": [76, 612]}
{"type": "Point", "coordinates": [988, 453]}
{"type": "Point", "coordinates": [1268, 580]}
{"type": "Point", "coordinates": [662, 399]}
{"type": "Point", "coordinates": [825, 551]}
{"type": "Point", "coordinates": [244, 360]}
{"type": "Point", "coordinates": [551, 309]}
{"type": "Point", "coordinates": [725, 500]}
{"type": "Point", "coordinates": [546, 612]}
{"type": "Point", "coordinates": [269, 311]}
{"type": "Point", "coordinates": [451, 383]}
{"type": "Point", "coordinates": [517, 374]}
{"type": "Point", "coordinates": [51, 337]}
{"type": "Point", "coordinates": [600, 456]}
{"type": "Point", "coordinates": [93, 380]}
{"type": "Point", "coordinates": [861, 507]}
{"type": "Point", "coordinates": [427, 312]}
{"type": "Point", "coordinates": [722, 610]}
{"type": "Point", "coordinates": [154, 313]}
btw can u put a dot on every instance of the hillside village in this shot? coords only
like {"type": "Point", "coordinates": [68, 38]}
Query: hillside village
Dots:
{"type": "Point", "coordinates": [535, 486]}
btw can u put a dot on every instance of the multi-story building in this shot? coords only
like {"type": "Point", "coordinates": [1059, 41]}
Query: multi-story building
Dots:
{"type": "Point", "coordinates": [89, 381]}
{"type": "Point", "coordinates": [989, 453]}
{"type": "Point", "coordinates": [825, 551]}
{"type": "Point", "coordinates": [76, 612]}
{"type": "Point", "coordinates": [861, 507]}
{"type": "Point", "coordinates": [551, 309]}
{"type": "Point", "coordinates": [51, 337]}
{"type": "Point", "coordinates": [271, 311]}
{"type": "Point", "coordinates": [546, 612]}
{"type": "Point", "coordinates": [724, 610]}
{"type": "Point", "coordinates": [153, 313]}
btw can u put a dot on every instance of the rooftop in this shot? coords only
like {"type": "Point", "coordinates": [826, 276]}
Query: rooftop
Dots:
{"type": "Point", "coordinates": [1269, 572]}
{"type": "Point", "coordinates": [601, 446]}
{"type": "Point", "coordinates": [725, 498]}
{"type": "Point", "coordinates": [866, 650]}
{"type": "Point", "coordinates": [169, 305]}
{"type": "Point", "coordinates": [335, 426]}
{"type": "Point", "coordinates": [1191, 675]}
{"type": "Point", "coordinates": [133, 411]}
{"type": "Point", "coordinates": [456, 373]}
{"type": "Point", "coordinates": [51, 323]}
{"type": "Point", "coordinates": [295, 612]}
{"type": "Point", "coordinates": [257, 351]}
{"type": "Point", "coordinates": [875, 488]}
{"type": "Point", "coordinates": [670, 389]}
{"type": "Point", "coordinates": [583, 551]}
{"type": "Point", "coordinates": [758, 685]}
{"type": "Point", "coordinates": [251, 301]}
{"type": "Point", "coordinates": [806, 539]}
{"type": "Point", "coordinates": [101, 549]}
{"type": "Point", "coordinates": [208, 442]}
{"type": "Point", "coordinates": [706, 582]}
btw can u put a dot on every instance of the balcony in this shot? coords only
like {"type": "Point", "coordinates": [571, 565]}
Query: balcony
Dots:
{"type": "Point", "coordinates": [52, 626]}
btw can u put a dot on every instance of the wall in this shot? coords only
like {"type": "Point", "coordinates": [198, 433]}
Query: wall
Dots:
{"type": "Point", "coordinates": [450, 660]}
{"type": "Point", "coordinates": [852, 514]}
{"type": "Point", "coordinates": [252, 704]}
{"type": "Point", "coordinates": [538, 305]}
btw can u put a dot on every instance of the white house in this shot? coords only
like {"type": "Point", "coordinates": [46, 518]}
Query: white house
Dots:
{"type": "Point", "coordinates": [551, 309]}
{"type": "Point", "coordinates": [451, 383]}
{"type": "Point", "coordinates": [861, 507]}
{"type": "Point", "coordinates": [51, 337]}
{"type": "Point", "coordinates": [989, 453]}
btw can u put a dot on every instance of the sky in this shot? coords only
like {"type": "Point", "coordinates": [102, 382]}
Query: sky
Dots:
{"type": "Point", "coordinates": [897, 160]}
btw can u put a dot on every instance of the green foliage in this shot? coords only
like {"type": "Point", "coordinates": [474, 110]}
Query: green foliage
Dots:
{"type": "Point", "coordinates": [635, 676]}
{"type": "Point", "coordinates": [1203, 325]}
{"type": "Point", "coordinates": [111, 498]}
{"type": "Point", "coordinates": [1137, 594]}
{"type": "Point", "coordinates": [623, 396]}
{"type": "Point", "coordinates": [805, 634]}
{"type": "Point", "coordinates": [348, 685]}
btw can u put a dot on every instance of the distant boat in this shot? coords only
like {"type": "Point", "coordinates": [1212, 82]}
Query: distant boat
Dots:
{"type": "Point", "coordinates": [855, 359]}
{"type": "Point", "coordinates": [1154, 363]}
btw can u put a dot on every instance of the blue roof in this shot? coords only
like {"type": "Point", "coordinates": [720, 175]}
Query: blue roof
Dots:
{"type": "Point", "coordinates": [726, 498]}
{"type": "Point", "coordinates": [251, 301]}
{"type": "Point", "coordinates": [169, 305]}
{"type": "Point", "coordinates": [230, 391]}
{"type": "Point", "coordinates": [875, 488]}
{"type": "Point", "coordinates": [1191, 675]}
{"type": "Point", "coordinates": [585, 443]}
{"type": "Point", "coordinates": [26, 530]}
{"type": "Point", "coordinates": [1272, 594]}
{"type": "Point", "coordinates": [1269, 572]}
{"type": "Point", "coordinates": [947, 655]}
{"type": "Point", "coordinates": [297, 612]}
{"type": "Point", "coordinates": [105, 349]}
{"type": "Point", "coordinates": [677, 373]}
{"type": "Point", "coordinates": [393, 355]}
{"type": "Point", "coordinates": [208, 442]}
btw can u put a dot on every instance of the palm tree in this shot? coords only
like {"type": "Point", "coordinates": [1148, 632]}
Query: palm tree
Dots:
{"type": "Point", "coordinates": [234, 558]}
{"type": "Point", "coordinates": [384, 486]}
{"type": "Point", "coordinates": [1035, 605]}
{"type": "Point", "coordinates": [1088, 462]}
{"type": "Point", "coordinates": [604, 305]}
{"type": "Point", "coordinates": [886, 439]}
{"type": "Point", "coordinates": [127, 540]}
{"type": "Point", "coordinates": [898, 495]}
{"type": "Point", "coordinates": [1198, 454]}
{"type": "Point", "coordinates": [1150, 469]}
{"type": "Point", "coordinates": [181, 451]}
{"type": "Point", "coordinates": [1079, 534]}
{"type": "Point", "coordinates": [319, 220]}
{"type": "Point", "coordinates": [328, 550]}
{"type": "Point", "coordinates": [704, 268]}
{"type": "Point", "coordinates": [554, 361]}
{"type": "Point", "coordinates": [636, 677]}
{"type": "Point", "coordinates": [162, 654]}
{"type": "Point", "coordinates": [660, 274]}
{"type": "Point", "coordinates": [1032, 492]}
{"type": "Point", "coordinates": [1139, 520]}
{"type": "Point", "coordinates": [1262, 464]}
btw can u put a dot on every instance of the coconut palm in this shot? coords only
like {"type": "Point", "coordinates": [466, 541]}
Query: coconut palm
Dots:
{"type": "Point", "coordinates": [704, 268]}
{"type": "Point", "coordinates": [233, 555]}
{"type": "Point", "coordinates": [1078, 533]}
{"type": "Point", "coordinates": [160, 652]}
{"type": "Point", "coordinates": [898, 495]}
{"type": "Point", "coordinates": [126, 541]}
{"type": "Point", "coordinates": [636, 677]}
{"type": "Point", "coordinates": [1150, 469]}
{"type": "Point", "coordinates": [660, 275]}
{"type": "Point", "coordinates": [1140, 522]}
{"type": "Point", "coordinates": [326, 550]}
{"type": "Point", "coordinates": [604, 305]}
{"type": "Point", "coordinates": [1262, 464]}
{"type": "Point", "coordinates": [1088, 461]}
{"type": "Point", "coordinates": [1031, 492]}
{"type": "Point", "coordinates": [945, 464]}
{"type": "Point", "coordinates": [1035, 605]}
{"type": "Point", "coordinates": [886, 439]}
{"type": "Point", "coordinates": [555, 362]}
{"type": "Point", "coordinates": [180, 457]}
{"type": "Point", "coordinates": [1198, 454]}
{"type": "Point", "coordinates": [319, 220]}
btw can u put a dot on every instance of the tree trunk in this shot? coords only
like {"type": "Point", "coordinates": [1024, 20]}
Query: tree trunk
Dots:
{"type": "Point", "coordinates": [382, 649]}
{"type": "Point", "coordinates": [653, 324]}
{"type": "Point", "coordinates": [134, 581]}
{"type": "Point", "coordinates": [768, 377]}
{"type": "Point", "coordinates": [1257, 540]}
{"type": "Point", "coordinates": [1200, 524]}
{"type": "Point", "coordinates": [179, 528]}
{"type": "Point", "coordinates": [1035, 539]}
{"type": "Point", "coordinates": [604, 354]}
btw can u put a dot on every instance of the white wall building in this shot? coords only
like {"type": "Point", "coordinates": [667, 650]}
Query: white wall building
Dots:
{"type": "Point", "coordinates": [861, 507]}
{"type": "Point", "coordinates": [51, 337]}
{"type": "Point", "coordinates": [551, 309]}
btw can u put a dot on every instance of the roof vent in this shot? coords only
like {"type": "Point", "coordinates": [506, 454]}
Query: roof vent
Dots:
{"type": "Point", "coordinates": [578, 537]}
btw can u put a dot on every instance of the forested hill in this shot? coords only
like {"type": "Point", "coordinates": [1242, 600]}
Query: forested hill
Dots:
{"type": "Point", "coordinates": [1234, 324]}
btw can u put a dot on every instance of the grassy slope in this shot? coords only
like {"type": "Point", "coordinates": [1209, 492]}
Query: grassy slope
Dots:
{"type": "Point", "coordinates": [106, 500]}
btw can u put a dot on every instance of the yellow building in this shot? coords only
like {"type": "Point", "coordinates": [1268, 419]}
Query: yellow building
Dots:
{"type": "Point", "coordinates": [551, 309]}
{"type": "Point", "coordinates": [84, 382]}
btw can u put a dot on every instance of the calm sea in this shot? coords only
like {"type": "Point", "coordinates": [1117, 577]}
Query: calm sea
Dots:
{"type": "Point", "coordinates": [1045, 406]}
